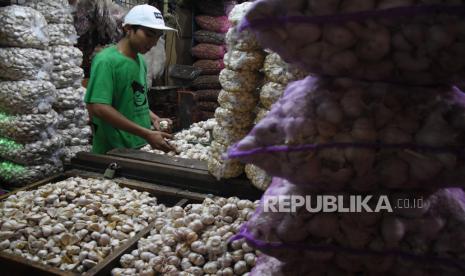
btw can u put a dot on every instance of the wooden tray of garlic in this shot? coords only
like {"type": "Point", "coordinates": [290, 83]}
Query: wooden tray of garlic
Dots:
{"type": "Point", "coordinates": [77, 222]}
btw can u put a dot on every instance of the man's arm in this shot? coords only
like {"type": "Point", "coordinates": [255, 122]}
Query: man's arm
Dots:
{"type": "Point", "coordinates": [117, 120]}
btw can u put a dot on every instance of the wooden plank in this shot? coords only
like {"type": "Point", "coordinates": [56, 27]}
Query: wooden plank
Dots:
{"type": "Point", "coordinates": [161, 159]}
{"type": "Point", "coordinates": [21, 266]}
{"type": "Point", "coordinates": [104, 267]}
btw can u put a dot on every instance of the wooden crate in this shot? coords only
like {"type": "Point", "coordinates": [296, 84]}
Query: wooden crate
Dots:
{"type": "Point", "coordinates": [16, 265]}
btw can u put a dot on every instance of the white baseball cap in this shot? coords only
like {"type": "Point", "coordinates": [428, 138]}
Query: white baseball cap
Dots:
{"type": "Point", "coordinates": [147, 16]}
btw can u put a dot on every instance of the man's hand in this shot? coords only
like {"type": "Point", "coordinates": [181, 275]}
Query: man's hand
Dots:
{"type": "Point", "coordinates": [156, 139]}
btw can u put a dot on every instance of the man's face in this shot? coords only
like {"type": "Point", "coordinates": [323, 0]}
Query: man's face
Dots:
{"type": "Point", "coordinates": [143, 39]}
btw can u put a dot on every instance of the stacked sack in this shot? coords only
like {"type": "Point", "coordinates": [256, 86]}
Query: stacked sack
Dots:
{"type": "Point", "coordinates": [277, 75]}
{"type": "Point", "coordinates": [66, 75]}
{"type": "Point", "coordinates": [389, 142]}
{"type": "Point", "coordinates": [209, 51]}
{"type": "Point", "coordinates": [29, 146]}
{"type": "Point", "coordinates": [237, 99]}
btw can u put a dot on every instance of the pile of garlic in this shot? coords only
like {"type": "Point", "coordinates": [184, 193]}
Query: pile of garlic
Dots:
{"type": "Point", "coordinates": [194, 241]}
{"type": "Point", "coordinates": [193, 143]}
{"type": "Point", "coordinates": [277, 75]}
{"type": "Point", "coordinates": [75, 223]}
{"type": "Point", "coordinates": [238, 98]}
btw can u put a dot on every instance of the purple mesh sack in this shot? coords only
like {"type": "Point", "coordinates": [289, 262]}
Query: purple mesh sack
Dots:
{"type": "Point", "coordinates": [219, 24]}
{"type": "Point", "coordinates": [424, 235]}
{"type": "Point", "coordinates": [209, 67]}
{"type": "Point", "coordinates": [203, 36]}
{"type": "Point", "coordinates": [339, 133]}
{"type": "Point", "coordinates": [208, 51]}
{"type": "Point", "coordinates": [413, 42]}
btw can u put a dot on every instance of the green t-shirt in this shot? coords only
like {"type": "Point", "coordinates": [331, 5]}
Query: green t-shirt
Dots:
{"type": "Point", "coordinates": [119, 81]}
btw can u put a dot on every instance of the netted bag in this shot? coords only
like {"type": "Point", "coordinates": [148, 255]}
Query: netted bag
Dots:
{"type": "Point", "coordinates": [26, 97]}
{"type": "Point", "coordinates": [71, 77]}
{"type": "Point", "coordinates": [70, 118]}
{"type": "Point", "coordinates": [390, 234]}
{"type": "Point", "coordinates": [277, 70]}
{"type": "Point", "coordinates": [261, 113]}
{"type": "Point", "coordinates": [62, 34]}
{"type": "Point", "coordinates": [238, 12]}
{"type": "Point", "coordinates": [237, 81]}
{"type": "Point", "coordinates": [65, 57]}
{"type": "Point", "coordinates": [228, 135]}
{"type": "Point", "coordinates": [27, 128]}
{"type": "Point", "coordinates": [209, 67]}
{"type": "Point", "coordinates": [246, 61]}
{"type": "Point", "coordinates": [25, 64]}
{"type": "Point", "coordinates": [17, 175]}
{"type": "Point", "coordinates": [270, 93]}
{"type": "Point", "coordinates": [259, 178]}
{"type": "Point", "coordinates": [70, 152]}
{"type": "Point", "coordinates": [414, 42]}
{"type": "Point", "coordinates": [207, 82]}
{"type": "Point", "coordinates": [241, 40]}
{"type": "Point", "coordinates": [233, 119]}
{"type": "Point", "coordinates": [35, 153]}
{"type": "Point", "coordinates": [219, 24]}
{"type": "Point", "coordinates": [214, 7]}
{"type": "Point", "coordinates": [23, 27]}
{"type": "Point", "coordinates": [340, 133]}
{"type": "Point", "coordinates": [221, 168]}
{"type": "Point", "coordinates": [54, 11]}
{"type": "Point", "coordinates": [206, 95]}
{"type": "Point", "coordinates": [69, 98]}
{"type": "Point", "coordinates": [75, 136]}
{"type": "Point", "coordinates": [237, 101]}
{"type": "Point", "coordinates": [203, 36]}
{"type": "Point", "coordinates": [208, 51]}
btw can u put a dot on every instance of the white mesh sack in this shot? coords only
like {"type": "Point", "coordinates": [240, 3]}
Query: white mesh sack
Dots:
{"type": "Point", "coordinates": [35, 153]}
{"type": "Point", "coordinates": [66, 78]}
{"type": "Point", "coordinates": [75, 136]}
{"type": "Point", "coordinates": [65, 57]}
{"type": "Point", "coordinates": [70, 118]}
{"type": "Point", "coordinates": [237, 101]}
{"type": "Point", "coordinates": [27, 128]}
{"type": "Point", "coordinates": [236, 81]}
{"type": "Point", "coordinates": [69, 98]}
{"type": "Point", "coordinates": [26, 97]}
{"type": "Point", "coordinates": [277, 70]}
{"type": "Point", "coordinates": [23, 27]}
{"type": "Point", "coordinates": [54, 11]}
{"type": "Point", "coordinates": [62, 34]}
{"type": "Point", "coordinates": [258, 177]}
{"type": "Point", "coordinates": [270, 93]}
{"type": "Point", "coordinates": [25, 64]}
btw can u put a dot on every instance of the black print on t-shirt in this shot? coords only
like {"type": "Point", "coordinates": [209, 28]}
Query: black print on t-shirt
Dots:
{"type": "Point", "coordinates": [139, 95]}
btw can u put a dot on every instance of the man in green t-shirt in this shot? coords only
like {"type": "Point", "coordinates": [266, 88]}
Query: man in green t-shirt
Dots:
{"type": "Point", "coordinates": [116, 94]}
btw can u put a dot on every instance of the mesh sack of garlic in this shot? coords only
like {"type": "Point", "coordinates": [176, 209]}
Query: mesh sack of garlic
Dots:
{"type": "Point", "coordinates": [194, 241]}
{"type": "Point", "coordinates": [203, 36]}
{"type": "Point", "coordinates": [261, 113]}
{"type": "Point", "coordinates": [277, 70]}
{"type": "Point", "coordinates": [238, 12]}
{"type": "Point", "coordinates": [237, 101]}
{"type": "Point", "coordinates": [259, 178]}
{"type": "Point", "coordinates": [54, 11]}
{"type": "Point", "coordinates": [237, 81]}
{"type": "Point", "coordinates": [241, 40]}
{"type": "Point", "coordinates": [241, 60]}
{"type": "Point", "coordinates": [69, 98]}
{"type": "Point", "coordinates": [62, 34]}
{"type": "Point", "coordinates": [220, 167]}
{"type": "Point", "coordinates": [23, 27]}
{"type": "Point", "coordinates": [70, 118]}
{"type": "Point", "coordinates": [414, 42]}
{"type": "Point", "coordinates": [75, 136]}
{"type": "Point", "coordinates": [384, 236]}
{"type": "Point", "coordinates": [71, 77]}
{"type": "Point", "coordinates": [338, 133]}
{"type": "Point", "coordinates": [18, 175]}
{"type": "Point", "coordinates": [65, 57]}
{"type": "Point", "coordinates": [71, 151]}
{"type": "Point", "coordinates": [270, 93]}
{"type": "Point", "coordinates": [228, 135]}
{"type": "Point", "coordinates": [232, 119]}
{"type": "Point", "coordinates": [27, 128]}
{"type": "Point", "coordinates": [34, 153]}
{"type": "Point", "coordinates": [26, 96]}
{"type": "Point", "coordinates": [25, 64]}
{"type": "Point", "coordinates": [75, 223]}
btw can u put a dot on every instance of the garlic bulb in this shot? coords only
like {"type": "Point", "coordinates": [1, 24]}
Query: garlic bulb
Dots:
{"type": "Point", "coordinates": [23, 27]}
